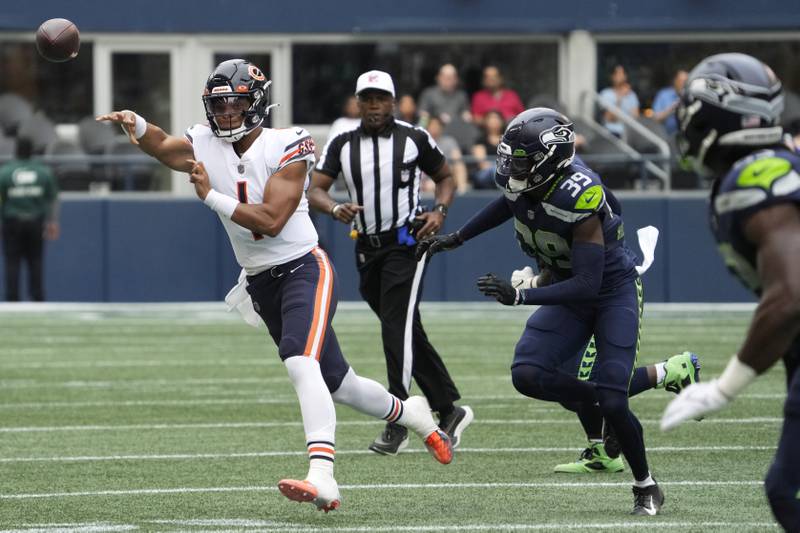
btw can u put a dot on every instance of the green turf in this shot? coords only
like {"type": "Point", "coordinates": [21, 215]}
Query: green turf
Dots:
{"type": "Point", "coordinates": [161, 376]}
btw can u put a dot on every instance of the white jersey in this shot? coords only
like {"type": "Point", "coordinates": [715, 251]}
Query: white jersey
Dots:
{"type": "Point", "coordinates": [245, 179]}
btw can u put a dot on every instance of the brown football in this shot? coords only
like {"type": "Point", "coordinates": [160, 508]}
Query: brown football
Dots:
{"type": "Point", "coordinates": [58, 40]}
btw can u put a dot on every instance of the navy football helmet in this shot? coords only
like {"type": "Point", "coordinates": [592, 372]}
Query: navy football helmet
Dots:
{"type": "Point", "coordinates": [536, 146]}
{"type": "Point", "coordinates": [730, 104]}
{"type": "Point", "coordinates": [236, 87]}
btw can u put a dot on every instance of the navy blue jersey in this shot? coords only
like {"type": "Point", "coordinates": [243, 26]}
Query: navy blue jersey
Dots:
{"type": "Point", "coordinates": [544, 228]}
{"type": "Point", "coordinates": [761, 180]}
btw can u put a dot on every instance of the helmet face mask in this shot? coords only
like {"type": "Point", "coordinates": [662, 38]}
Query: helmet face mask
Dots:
{"type": "Point", "coordinates": [236, 89]}
{"type": "Point", "coordinates": [537, 145]}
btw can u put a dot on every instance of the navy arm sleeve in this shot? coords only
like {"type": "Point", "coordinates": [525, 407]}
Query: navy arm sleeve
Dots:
{"type": "Point", "coordinates": [487, 218]}
{"type": "Point", "coordinates": [588, 260]}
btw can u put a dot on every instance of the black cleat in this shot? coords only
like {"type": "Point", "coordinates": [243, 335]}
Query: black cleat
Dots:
{"type": "Point", "coordinates": [393, 439]}
{"type": "Point", "coordinates": [456, 422]}
{"type": "Point", "coordinates": [647, 501]}
{"type": "Point", "coordinates": [610, 441]}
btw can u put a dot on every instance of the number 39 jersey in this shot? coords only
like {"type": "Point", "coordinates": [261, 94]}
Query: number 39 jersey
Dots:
{"type": "Point", "coordinates": [246, 178]}
{"type": "Point", "coordinates": [759, 181]}
{"type": "Point", "coordinates": [544, 228]}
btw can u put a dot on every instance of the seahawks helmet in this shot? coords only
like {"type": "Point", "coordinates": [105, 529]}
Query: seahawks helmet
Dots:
{"type": "Point", "coordinates": [536, 146]}
{"type": "Point", "coordinates": [236, 86]}
{"type": "Point", "coordinates": [730, 104]}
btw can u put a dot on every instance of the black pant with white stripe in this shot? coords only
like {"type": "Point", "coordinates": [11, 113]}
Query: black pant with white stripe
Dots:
{"type": "Point", "coordinates": [391, 283]}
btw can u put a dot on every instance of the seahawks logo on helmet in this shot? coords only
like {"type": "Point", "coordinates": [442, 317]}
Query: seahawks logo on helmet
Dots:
{"type": "Point", "coordinates": [557, 135]}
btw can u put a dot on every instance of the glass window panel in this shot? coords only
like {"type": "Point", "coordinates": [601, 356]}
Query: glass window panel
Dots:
{"type": "Point", "coordinates": [324, 75]}
{"type": "Point", "coordinates": [63, 91]}
{"type": "Point", "coordinates": [141, 82]}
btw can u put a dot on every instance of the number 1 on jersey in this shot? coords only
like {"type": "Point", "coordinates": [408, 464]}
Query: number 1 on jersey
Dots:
{"type": "Point", "coordinates": [241, 190]}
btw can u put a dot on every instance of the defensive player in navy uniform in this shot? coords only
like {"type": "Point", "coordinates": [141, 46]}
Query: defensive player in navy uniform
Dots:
{"type": "Point", "coordinates": [254, 178]}
{"type": "Point", "coordinates": [729, 118]}
{"type": "Point", "coordinates": [563, 217]}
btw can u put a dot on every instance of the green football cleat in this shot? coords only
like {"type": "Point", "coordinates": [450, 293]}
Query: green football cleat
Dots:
{"type": "Point", "coordinates": [682, 370]}
{"type": "Point", "coordinates": [592, 460]}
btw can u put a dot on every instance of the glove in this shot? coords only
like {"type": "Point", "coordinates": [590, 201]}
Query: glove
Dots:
{"type": "Point", "coordinates": [695, 401]}
{"type": "Point", "coordinates": [438, 243]}
{"type": "Point", "coordinates": [500, 289]}
{"type": "Point", "coordinates": [524, 279]}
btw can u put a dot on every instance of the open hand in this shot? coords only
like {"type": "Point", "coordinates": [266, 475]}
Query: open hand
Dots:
{"type": "Point", "coordinates": [126, 119]}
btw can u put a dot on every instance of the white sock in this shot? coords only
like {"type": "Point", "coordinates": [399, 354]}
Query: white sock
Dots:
{"type": "Point", "coordinates": [316, 407]}
{"type": "Point", "coordinates": [661, 373]}
{"type": "Point", "coordinates": [646, 482]}
{"type": "Point", "coordinates": [367, 396]}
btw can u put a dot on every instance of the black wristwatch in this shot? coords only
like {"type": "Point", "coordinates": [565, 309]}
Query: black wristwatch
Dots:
{"type": "Point", "coordinates": [441, 208]}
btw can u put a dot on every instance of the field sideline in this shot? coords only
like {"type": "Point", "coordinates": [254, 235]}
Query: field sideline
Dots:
{"type": "Point", "coordinates": [180, 418]}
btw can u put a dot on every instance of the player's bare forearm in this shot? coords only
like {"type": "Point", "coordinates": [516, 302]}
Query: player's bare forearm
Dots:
{"type": "Point", "coordinates": [170, 151]}
{"type": "Point", "coordinates": [281, 197]}
{"type": "Point", "coordinates": [776, 322]}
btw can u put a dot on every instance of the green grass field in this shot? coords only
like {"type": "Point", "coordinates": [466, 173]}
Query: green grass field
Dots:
{"type": "Point", "coordinates": [166, 420]}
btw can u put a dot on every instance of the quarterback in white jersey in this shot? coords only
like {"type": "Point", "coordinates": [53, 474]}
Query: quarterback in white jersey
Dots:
{"type": "Point", "coordinates": [254, 178]}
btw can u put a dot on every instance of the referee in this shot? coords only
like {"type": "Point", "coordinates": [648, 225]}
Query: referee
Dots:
{"type": "Point", "coordinates": [381, 162]}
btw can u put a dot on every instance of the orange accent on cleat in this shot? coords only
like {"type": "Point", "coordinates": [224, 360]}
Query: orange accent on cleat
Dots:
{"type": "Point", "coordinates": [329, 507]}
{"type": "Point", "coordinates": [298, 491]}
{"type": "Point", "coordinates": [440, 446]}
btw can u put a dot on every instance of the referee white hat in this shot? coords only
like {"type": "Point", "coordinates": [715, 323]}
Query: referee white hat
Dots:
{"type": "Point", "coordinates": [375, 79]}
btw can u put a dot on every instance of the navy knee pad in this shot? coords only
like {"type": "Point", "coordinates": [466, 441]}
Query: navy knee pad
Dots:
{"type": "Point", "coordinates": [612, 402]}
{"type": "Point", "coordinates": [528, 380]}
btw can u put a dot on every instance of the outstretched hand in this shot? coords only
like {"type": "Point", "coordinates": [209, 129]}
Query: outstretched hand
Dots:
{"type": "Point", "coordinates": [499, 289]}
{"type": "Point", "coordinates": [126, 119]}
{"type": "Point", "coordinates": [438, 243]}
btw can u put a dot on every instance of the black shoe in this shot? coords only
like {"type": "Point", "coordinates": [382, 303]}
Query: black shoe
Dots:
{"type": "Point", "coordinates": [456, 422]}
{"type": "Point", "coordinates": [610, 441]}
{"type": "Point", "coordinates": [393, 439]}
{"type": "Point", "coordinates": [647, 501]}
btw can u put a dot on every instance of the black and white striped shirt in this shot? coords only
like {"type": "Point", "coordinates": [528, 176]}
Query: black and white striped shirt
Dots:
{"type": "Point", "coordinates": [382, 171]}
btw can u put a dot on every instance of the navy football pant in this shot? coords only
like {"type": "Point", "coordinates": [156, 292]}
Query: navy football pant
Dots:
{"type": "Point", "coordinates": [555, 333]}
{"type": "Point", "coordinates": [783, 479]}
{"type": "Point", "coordinates": [297, 301]}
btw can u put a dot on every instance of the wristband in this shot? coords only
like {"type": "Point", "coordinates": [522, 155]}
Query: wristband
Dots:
{"type": "Point", "coordinates": [334, 209]}
{"type": "Point", "coordinates": [520, 298]}
{"type": "Point", "coordinates": [222, 204]}
{"type": "Point", "coordinates": [139, 126]}
{"type": "Point", "coordinates": [736, 376]}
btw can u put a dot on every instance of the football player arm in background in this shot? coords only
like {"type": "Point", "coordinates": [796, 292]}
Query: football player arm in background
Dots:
{"type": "Point", "coordinates": [587, 259]}
{"type": "Point", "coordinates": [282, 195]}
{"type": "Point", "coordinates": [775, 232]}
{"type": "Point", "coordinates": [173, 152]}
{"type": "Point", "coordinates": [487, 218]}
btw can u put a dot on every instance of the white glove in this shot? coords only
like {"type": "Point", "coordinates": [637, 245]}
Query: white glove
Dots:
{"type": "Point", "coordinates": [695, 401]}
{"type": "Point", "coordinates": [524, 279]}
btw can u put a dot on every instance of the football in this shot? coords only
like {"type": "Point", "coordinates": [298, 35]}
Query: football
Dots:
{"type": "Point", "coordinates": [58, 40]}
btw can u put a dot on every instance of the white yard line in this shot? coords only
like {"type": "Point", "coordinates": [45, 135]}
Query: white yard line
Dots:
{"type": "Point", "coordinates": [239, 425]}
{"type": "Point", "coordinates": [376, 486]}
{"type": "Point", "coordinates": [247, 455]}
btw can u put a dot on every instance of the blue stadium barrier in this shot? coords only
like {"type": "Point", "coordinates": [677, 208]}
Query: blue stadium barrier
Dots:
{"type": "Point", "coordinates": [164, 250]}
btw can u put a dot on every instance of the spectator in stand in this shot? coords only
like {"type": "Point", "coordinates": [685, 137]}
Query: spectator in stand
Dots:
{"type": "Point", "coordinates": [444, 100]}
{"type": "Point", "coordinates": [407, 109]}
{"type": "Point", "coordinates": [495, 97]}
{"type": "Point", "coordinates": [621, 95]}
{"type": "Point", "coordinates": [349, 120]}
{"type": "Point", "coordinates": [666, 102]}
{"type": "Point", "coordinates": [485, 150]}
{"type": "Point", "coordinates": [452, 153]}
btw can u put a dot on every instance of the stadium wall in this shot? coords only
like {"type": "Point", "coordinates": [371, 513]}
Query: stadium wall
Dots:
{"type": "Point", "coordinates": [174, 250]}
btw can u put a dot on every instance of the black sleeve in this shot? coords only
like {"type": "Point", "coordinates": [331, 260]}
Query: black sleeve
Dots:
{"type": "Point", "coordinates": [487, 218]}
{"type": "Point", "coordinates": [430, 158]}
{"type": "Point", "coordinates": [330, 160]}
